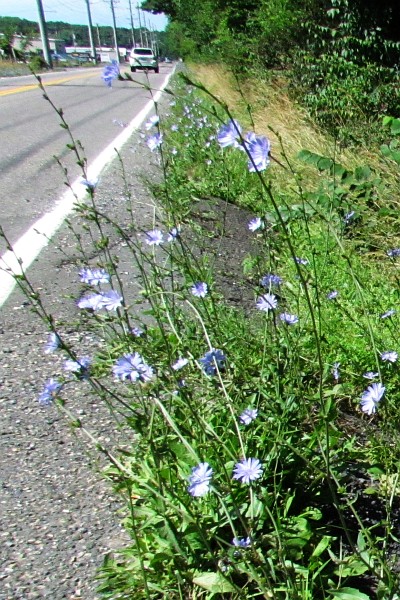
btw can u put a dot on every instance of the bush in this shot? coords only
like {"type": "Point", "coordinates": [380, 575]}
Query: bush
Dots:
{"type": "Point", "coordinates": [37, 63]}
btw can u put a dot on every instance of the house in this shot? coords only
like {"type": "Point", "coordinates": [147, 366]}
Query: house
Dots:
{"type": "Point", "coordinates": [21, 43]}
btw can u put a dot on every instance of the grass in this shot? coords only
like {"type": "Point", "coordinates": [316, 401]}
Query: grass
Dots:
{"type": "Point", "coordinates": [13, 69]}
{"type": "Point", "coordinates": [264, 463]}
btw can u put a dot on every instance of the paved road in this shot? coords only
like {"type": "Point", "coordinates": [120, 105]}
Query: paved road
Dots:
{"type": "Point", "coordinates": [30, 178]}
{"type": "Point", "coordinates": [58, 518]}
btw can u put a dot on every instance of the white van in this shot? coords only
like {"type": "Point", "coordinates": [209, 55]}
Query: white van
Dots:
{"type": "Point", "coordinates": [143, 58]}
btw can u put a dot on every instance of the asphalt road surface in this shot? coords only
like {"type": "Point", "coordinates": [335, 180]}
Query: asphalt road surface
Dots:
{"type": "Point", "coordinates": [58, 517]}
{"type": "Point", "coordinates": [30, 178]}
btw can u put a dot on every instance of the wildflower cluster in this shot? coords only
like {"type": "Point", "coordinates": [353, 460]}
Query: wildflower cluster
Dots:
{"type": "Point", "coordinates": [257, 148]}
{"type": "Point", "coordinates": [250, 398]}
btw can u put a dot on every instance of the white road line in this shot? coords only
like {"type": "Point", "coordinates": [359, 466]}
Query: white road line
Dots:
{"type": "Point", "coordinates": [32, 242]}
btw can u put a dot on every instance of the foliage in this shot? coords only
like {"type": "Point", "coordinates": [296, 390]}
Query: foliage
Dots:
{"type": "Point", "coordinates": [341, 57]}
{"type": "Point", "coordinates": [269, 390]}
{"type": "Point", "coordinates": [347, 74]}
{"type": "Point", "coordinates": [38, 64]}
{"type": "Point", "coordinates": [70, 34]}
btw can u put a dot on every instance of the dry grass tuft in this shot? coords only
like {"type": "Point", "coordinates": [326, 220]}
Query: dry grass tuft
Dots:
{"type": "Point", "coordinates": [275, 114]}
{"type": "Point", "coordinates": [273, 111]}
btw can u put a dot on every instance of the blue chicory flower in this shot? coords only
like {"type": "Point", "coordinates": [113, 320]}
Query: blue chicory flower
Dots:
{"type": "Point", "coordinates": [332, 295]}
{"type": "Point", "coordinates": [110, 72]}
{"type": "Point", "coordinates": [50, 392]}
{"type": "Point", "coordinates": [388, 314]}
{"type": "Point", "coordinates": [393, 253]}
{"type": "Point", "coordinates": [173, 234]}
{"type": "Point", "coordinates": [89, 183]}
{"type": "Point", "coordinates": [53, 343]}
{"type": "Point", "coordinates": [154, 120]}
{"type": "Point", "coordinates": [91, 302]}
{"type": "Point", "coordinates": [133, 368]}
{"type": "Point", "coordinates": [200, 480]}
{"type": "Point", "coordinates": [301, 261]}
{"type": "Point", "coordinates": [110, 300]}
{"type": "Point", "coordinates": [348, 217]}
{"type": "Point", "coordinates": [389, 356]}
{"type": "Point", "coordinates": [248, 415]}
{"type": "Point", "coordinates": [179, 364]}
{"type": "Point", "coordinates": [199, 289]}
{"type": "Point", "coordinates": [335, 371]}
{"type": "Point", "coordinates": [255, 224]}
{"type": "Point", "coordinates": [229, 134]}
{"type": "Point", "coordinates": [154, 237]}
{"type": "Point", "coordinates": [213, 360]}
{"type": "Point", "coordinates": [259, 148]}
{"type": "Point", "coordinates": [137, 331]}
{"type": "Point", "coordinates": [247, 470]}
{"type": "Point", "coordinates": [80, 367]}
{"type": "Point", "coordinates": [370, 375]}
{"type": "Point", "coordinates": [371, 397]}
{"type": "Point", "coordinates": [154, 141]}
{"type": "Point", "coordinates": [94, 276]}
{"type": "Point", "coordinates": [270, 280]}
{"type": "Point", "coordinates": [267, 302]}
{"type": "Point", "coordinates": [288, 319]}
{"type": "Point", "coordinates": [241, 542]}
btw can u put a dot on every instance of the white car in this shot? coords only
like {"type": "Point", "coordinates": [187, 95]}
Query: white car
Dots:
{"type": "Point", "coordinates": [143, 58]}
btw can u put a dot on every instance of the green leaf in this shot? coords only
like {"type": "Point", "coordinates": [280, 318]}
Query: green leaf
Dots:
{"type": "Point", "coordinates": [347, 593]}
{"type": "Point", "coordinates": [213, 582]}
{"type": "Point", "coordinates": [395, 127]}
{"type": "Point", "coordinates": [353, 569]}
{"type": "Point", "coordinates": [322, 545]}
{"type": "Point", "coordinates": [324, 164]}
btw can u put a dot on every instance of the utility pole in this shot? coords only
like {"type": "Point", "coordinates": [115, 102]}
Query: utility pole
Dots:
{"type": "Point", "coordinates": [44, 35]}
{"type": "Point", "coordinates": [90, 27]}
{"type": "Point", "coordinates": [98, 36]}
{"type": "Point", "coordinates": [140, 25]}
{"type": "Point", "coordinates": [115, 31]}
{"type": "Point", "coordinates": [146, 31]}
{"type": "Point", "coordinates": [133, 34]}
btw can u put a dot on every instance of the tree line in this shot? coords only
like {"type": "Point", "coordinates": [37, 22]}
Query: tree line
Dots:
{"type": "Point", "coordinates": [70, 34]}
{"type": "Point", "coordinates": [341, 56]}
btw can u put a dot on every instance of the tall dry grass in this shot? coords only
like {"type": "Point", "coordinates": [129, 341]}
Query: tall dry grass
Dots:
{"type": "Point", "coordinates": [277, 114]}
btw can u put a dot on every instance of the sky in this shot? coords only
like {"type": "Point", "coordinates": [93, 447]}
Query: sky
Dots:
{"type": "Point", "coordinates": [75, 12]}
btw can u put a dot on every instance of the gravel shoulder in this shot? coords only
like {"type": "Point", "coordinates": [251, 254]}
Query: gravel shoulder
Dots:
{"type": "Point", "coordinates": [58, 516]}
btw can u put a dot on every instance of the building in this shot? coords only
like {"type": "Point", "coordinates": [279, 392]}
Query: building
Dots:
{"type": "Point", "coordinates": [21, 43]}
{"type": "Point", "coordinates": [103, 54]}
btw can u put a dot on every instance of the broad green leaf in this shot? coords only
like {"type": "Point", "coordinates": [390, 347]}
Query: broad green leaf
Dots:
{"type": "Point", "coordinates": [324, 164]}
{"type": "Point", "coordinates": [347, 593]}
{"type": "Point", "coordinates": [213, 582]}
{"type": "Point", "coordinates": [353, 569]}
{"type": "Point", "coordinates": [395, 127]}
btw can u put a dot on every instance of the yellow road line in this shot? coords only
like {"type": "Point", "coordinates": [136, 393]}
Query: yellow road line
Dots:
{"type": "Point", "coordinates": [33, 86]}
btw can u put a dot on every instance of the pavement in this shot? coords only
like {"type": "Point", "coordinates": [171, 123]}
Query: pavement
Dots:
{"type": "Point", "coordinates": [58, 516]}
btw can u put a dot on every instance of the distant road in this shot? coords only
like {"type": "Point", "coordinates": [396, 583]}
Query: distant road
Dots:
{"type": "Point", "coordinates": [30, 179]}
